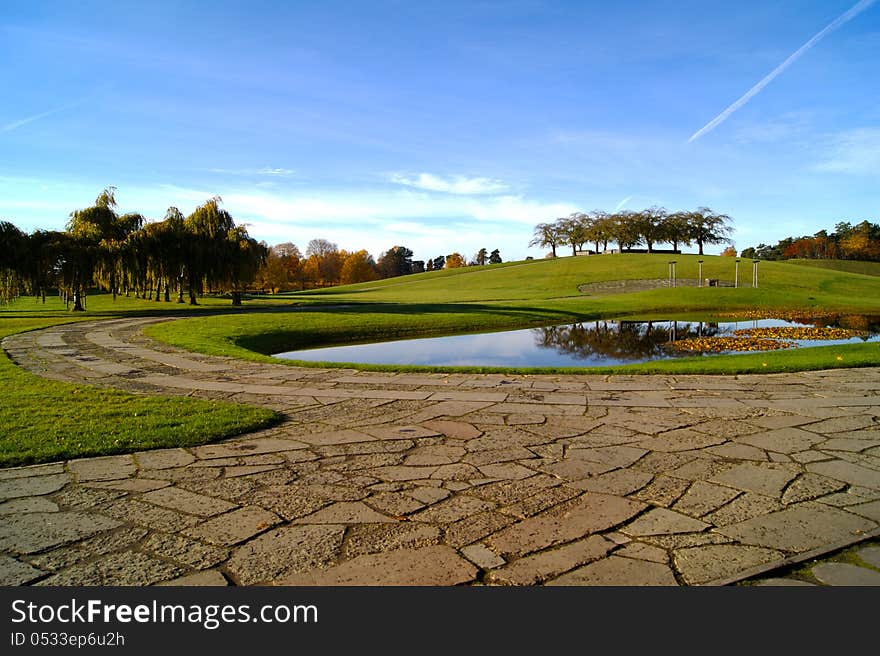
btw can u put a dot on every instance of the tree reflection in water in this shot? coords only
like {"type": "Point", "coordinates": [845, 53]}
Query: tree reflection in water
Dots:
{"type": "Point", "coordinates": [620, 340]}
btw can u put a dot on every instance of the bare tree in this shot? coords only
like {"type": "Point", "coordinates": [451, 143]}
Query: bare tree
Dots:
{"type": "Point", "coordinates": [547, 235]}
{"type": "Point", "coordinates": [708, 227]}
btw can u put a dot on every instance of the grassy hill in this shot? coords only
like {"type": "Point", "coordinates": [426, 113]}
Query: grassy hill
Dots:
{"type": "Point", "coordinates": [559, 279]}
{"type": "Point", "coordinates": [530, 293]}
{"type": "Point", "coordinates": [850, 266]}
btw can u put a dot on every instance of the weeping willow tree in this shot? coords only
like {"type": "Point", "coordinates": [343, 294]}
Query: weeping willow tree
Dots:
{"type": "Point", "coordinates": [120, 253]}
{"type": "Point", "coordinates": [219, 255]}
{"type": "Point", "coordinates": [91, 249]}
{"type": "Point", "coordinates": [13, 259]}
{"type": "Point", "coordinates": [242, 257]}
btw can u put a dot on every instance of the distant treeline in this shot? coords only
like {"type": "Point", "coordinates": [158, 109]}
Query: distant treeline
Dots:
{"type": "Point", "coordinates": [847, 242]}
{"type": "Point", "coordinates": [124, 254]}
{"type": "Point", "coordinates": [325, 265]}
{"type": "Point", "coordinates": [183, 257]}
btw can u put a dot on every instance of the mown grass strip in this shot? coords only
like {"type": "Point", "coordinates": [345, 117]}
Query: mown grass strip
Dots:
{"type": "Point", "coordinates": [44, 421]}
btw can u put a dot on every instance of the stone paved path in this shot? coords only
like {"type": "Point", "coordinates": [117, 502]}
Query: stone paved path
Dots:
{"type": "Point", "coordinates": [377, 478]}
{"type": "Point", "coordinates": [856, 566]}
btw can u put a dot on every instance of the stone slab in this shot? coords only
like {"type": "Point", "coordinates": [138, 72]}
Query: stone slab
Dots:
{"type": "Point", "coordinates": [102, 469]}
{"type": "Point", "coordinates": [847, 472]}
{"type": "Point", "coordinates": [481, 556]}
{"type": "Point", "coordinates": [535, 569]}
{"type": "Point", "coordinates": [764, 478]}
{"type": "Point", "coordinates": [458, 430]}
{"type": "Point", "coordinates": [283, 551]}
{"type": "Point", "coordinates": [234, 527]}
{"type": "Point", "coordinates": [661, 521]}
{"type": "Point", "coordinates": [249, 447]}
{"type": "Point", "coordinates": [588, 514]}
{"type": "Point", "coordinates": [35, 532]}
{"type": "Point", "coordinates": [699, 565]}
{"type": "Point", "coordinates": [32, 486]}
{"type": "Point", "coordinates": [619, 571]}
{"type": "Point", "coordinates": [801, 528]}
{"type": "Point", "coordinates": [14, 572]}
{"type": "Point", "coordinates": [428, 566]}
{"type": "Point", "coordinates": [22, 505]}
{"type": "Point", "coordinates": [845, 574]}
{"type": "Point", "coordinates": [345, 512]}
{"type": "Point", "coordinates": [188, 502]}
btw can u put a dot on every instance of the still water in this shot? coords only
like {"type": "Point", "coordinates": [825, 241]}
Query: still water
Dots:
{"type": "Point", "coordinates": [585, 344]}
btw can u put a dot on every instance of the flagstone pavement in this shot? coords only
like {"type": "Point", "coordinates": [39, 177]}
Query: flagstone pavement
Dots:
{"type": "Point", "coordinates": [451, 479]}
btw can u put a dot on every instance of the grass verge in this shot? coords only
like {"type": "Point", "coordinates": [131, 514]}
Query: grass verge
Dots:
{"type": "Point", "coordinates": [44, 421]}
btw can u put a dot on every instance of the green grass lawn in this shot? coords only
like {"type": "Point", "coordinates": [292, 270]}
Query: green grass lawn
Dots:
{"type": "Point", "coordinates": [44, 421]}
{"type": "Point", "coordinates": [850, 266]}
{"type": "Point", "coordinates": [536, 293]}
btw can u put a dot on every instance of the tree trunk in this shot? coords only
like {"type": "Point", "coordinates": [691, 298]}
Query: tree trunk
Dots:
{"type": "Point", "coordinates": [192, 291]}
{"type": "Point", "coordinates": [236, 299]}
{"type": "Point", "coordinates": [77, 301]}
{"type": "Point", "coordinates": [167, 292]}
{"type": "Point", "coordinates": [700, 244]}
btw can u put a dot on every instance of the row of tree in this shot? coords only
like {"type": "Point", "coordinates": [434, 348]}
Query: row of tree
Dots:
{"type": "Point", "coordinates": [124, 254]}
{"type": "Point", "coordinates": [205, 251]}
{"type": "Point", "coordinates": [325, 264]}
{"type": "Point", "coordinates": [629, 229]}
{"type": "Point", "coordinates": [846, 242]}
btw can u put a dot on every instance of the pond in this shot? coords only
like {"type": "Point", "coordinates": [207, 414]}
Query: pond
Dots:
{"type": "Point", "coordinates": [602, 343]}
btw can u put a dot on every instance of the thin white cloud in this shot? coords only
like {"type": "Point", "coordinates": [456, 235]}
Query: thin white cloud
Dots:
{"type": "Point", "coordinates": [421, 229]}
{"type": "Point", "coordinates": [457, 185]}
{"type": "Point", "coordinates": [429, 224]}
{"type": "Point", "coordinates": [14, 125]}
{"type": "Point", "coordinates": [786, 127]}
{"type": "Point", "coordinates": [845, 17]}
{"type": "Point", "coordinates": [265, 171]}
{"type": "Point", "coordinates": [622, 204]}
{"type": "Point", "coordinates": [856, 152]}
{"type": "Point", "coordinates": [515, 209]}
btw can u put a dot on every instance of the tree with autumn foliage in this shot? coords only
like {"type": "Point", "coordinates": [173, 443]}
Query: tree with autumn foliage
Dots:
{"type": "Point", "coordinates": [847, 242]}
{"type": "Point", "coordinates": [358, 267]}
{"type": "Point", "coordinates": [455, 261]}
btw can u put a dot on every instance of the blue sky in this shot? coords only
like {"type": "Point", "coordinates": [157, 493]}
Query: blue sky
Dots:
{"type": "Point", "coordinates": [442, 126]}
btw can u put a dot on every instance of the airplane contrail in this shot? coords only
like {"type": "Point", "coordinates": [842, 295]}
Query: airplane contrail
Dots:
{"type": "Point", "coordinates": [36, 117]}
{"type": "Point", "coordinates": [854, 11]}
